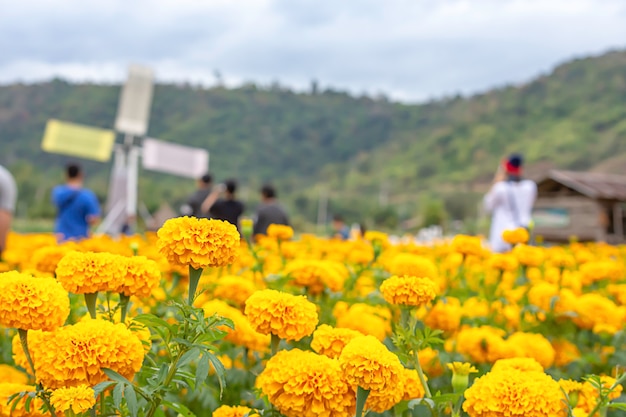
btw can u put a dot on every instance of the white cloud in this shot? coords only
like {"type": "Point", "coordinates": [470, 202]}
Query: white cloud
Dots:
{"type": "Point", "coordinates": [409, 49]}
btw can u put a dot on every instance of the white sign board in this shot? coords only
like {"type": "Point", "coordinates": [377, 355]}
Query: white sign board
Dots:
{"type": "Point", "coordinates": [133, 111]}
{"type": "Point", "coordinates": [174, 159]}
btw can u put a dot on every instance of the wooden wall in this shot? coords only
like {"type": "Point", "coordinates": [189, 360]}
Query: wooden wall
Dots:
{"type": "Point", "coordinates": [584, 218]}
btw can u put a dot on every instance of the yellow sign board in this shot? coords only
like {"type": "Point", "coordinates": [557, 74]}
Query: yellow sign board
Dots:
{"type": "Point", "coordinates": [78, 140]}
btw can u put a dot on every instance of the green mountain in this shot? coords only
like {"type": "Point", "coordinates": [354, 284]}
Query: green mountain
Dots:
{"type": "Point", "coordinates": [376, 161]}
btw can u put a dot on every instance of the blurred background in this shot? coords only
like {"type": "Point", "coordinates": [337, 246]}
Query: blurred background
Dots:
{"type": "Point", "coordinates": [394, 114]}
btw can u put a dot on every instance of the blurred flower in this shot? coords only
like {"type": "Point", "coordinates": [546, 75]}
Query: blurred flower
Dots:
{"type": "Point", "coordinates": [520, 364]}
{"type": "Point", "coordinates": [199, 243]}
{"type": "Point", "coordinates": [11, 374]}
{"type": "Point", "coordinates": [515, 236]}
{"type": "Point", "coordinates": [467, 245]}
{"type": "Point", "coordinates": [231, 411]}
{"type": "Point", "coordinates": [534, 345]}
{"type": "Point", "coordinates": [500, 393]}
{"type": "Point", "coordinates": [280, 232]}
{"type": "Point", "coordinates": [316, 274]}
{"type": "Point", "coordinates": [412, 265]}
{"type": "Point", "coordinates": [445, 315]}
{"type": "Point", "coordinates": [7, 389]}
{"type": "Point", "coordinates": [528, 255]}
{"type": "Point", "coordinates": [235, 289]}
{"type": "Point", "coordinates": [77, 399]}
{"type": "Point", "coordinates": [364, 318]}
{"type": "Point", "coordinates": [32, 303]}
{"type": "Point", "coordinates": [243, 334]}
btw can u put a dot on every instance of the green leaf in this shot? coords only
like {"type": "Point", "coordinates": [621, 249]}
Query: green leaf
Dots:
{"type": "Point", "coordinates": [131, 400]}
{"type": "Point", "coordinates": [189, 356]}
{"type": "Point", "coordinates": [180, 409]}
{"type": "Point", "coordinates": [117, 395]}
{"type": "Point", "coordinates": [202, 371]}
{"type": "Point", "coordinates": [115, 376]}
{"type": "Point", "coordinates": [618, 406]}
{"type": "Point", "coordinates": [99, 388]}
{"type": "Point", "coordinates": [219, 371]}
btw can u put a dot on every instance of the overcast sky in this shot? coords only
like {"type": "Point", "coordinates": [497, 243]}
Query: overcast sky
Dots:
{"type": "Point", "coordinates": [411, 50]}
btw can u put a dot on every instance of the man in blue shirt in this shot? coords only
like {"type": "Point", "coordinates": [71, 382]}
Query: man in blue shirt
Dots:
{"type": "Point", "coordinates": [77, 207]}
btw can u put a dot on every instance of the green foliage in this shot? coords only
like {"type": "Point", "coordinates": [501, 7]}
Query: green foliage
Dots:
{"type": "Point", "coordinates": [359, 148]}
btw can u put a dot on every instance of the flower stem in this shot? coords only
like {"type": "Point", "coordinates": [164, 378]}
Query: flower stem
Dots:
{"type": "Point", "coordinates": [194, 278]}
{"type": "Point", "coordinates": [124, 306]}
{"type": "Point", "coordinates": [90, 302]}
{"type": "Point", "coordinates": [24, 340]}
{"type": "Point", "coordinates": [361, 398]}
{"type": "Point", "coordinates": [274, 343]}
{"type": "Point", "coordinates": [420, 373]}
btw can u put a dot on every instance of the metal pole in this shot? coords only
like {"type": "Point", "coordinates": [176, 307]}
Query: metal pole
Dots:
{"type": "Point", "coordinates": [131, 186]}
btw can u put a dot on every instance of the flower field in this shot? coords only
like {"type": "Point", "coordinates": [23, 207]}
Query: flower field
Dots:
{"type": "Point", "coordinates": [194, 321]}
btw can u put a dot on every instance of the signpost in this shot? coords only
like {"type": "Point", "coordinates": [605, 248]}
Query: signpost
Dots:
{"type": "Point", "coordinates": [132, 120]}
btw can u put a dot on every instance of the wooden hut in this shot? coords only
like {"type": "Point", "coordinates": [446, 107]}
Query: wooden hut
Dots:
{"type": "Point", "coordinates": [583, 205]}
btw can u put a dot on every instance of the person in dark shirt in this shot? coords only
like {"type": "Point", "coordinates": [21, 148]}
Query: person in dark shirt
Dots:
{"type": "Point", "coordinates": [193, 205]}
{"type": "Point", "coordinates": [270, 211]}
{"type": "Point", "coordinates": [227, 208]}
{"type": "Point", "coordinates": [340, 228]}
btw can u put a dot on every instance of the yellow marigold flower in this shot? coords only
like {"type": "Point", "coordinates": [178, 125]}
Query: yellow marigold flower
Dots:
{"type": "Point", "coordinates": [521, 364]}
{"type": "Point", "coordinates": [410, 291]}
{"type": "Point", "coordinates": [430, 363]}
{"type": "Point", "coordinates": [87, 347]}
{"type": "Point", "coordinates": [412, 265]}
{"type": "Point", "coordinates": [601, 271]}
{"type": "Point", "coordinates": [503, 262]}
{"type": "Point", "coordinates": [32, 303]}
{"type": "Point", "coordinates": [330, 341]}
{"type": "Point", "coordinates": [280, 231]}
{"type": "Point", "coordinates": [367, 363]}
{"type": "Point", "coordinates": [304, 384]}
{"type": "Point", "coordinates": [515, 236]}
{"type": "Point", "coordinates": [528, 255]}
{"type": "Point", "coordinates": [90, 272]}
{"type": "Point", "coordinates": [231, 411]}
{"type": "Point", "coordinates": [243, 334]}
{"type": "Point", "coordinates": [317, 274]}
{"type": "Point", "coordinates": [593, 309]}
{"type": "Point", "coordinates": [287, 316]}
{"type": "Point", "coordinates": [445, 315]}
{"type": "Point", "coordinates": [381, 401]}
{"type": "Point", "coordinates": [142, 277]}
{"type": "Point", "coordinates": [235, 289]}
{"type": "Point", "coordinates": [534, 345]}
{"type": "Point", "coordinates": [376, 236]}
{"type": "Point", "coordinates": [572, 389]}
{"type": "Point", "coordinates": [7, 389]}
{"type": "Point", "coordinates": [484, 344]}
{"type": "Point", "coordinates": [199, 242]}
{"type": "Point", "coordinates": [46, 259]}
{"type": "Point", "coordinates": [413, 387]}
{"type": "Point", "coordinates": [11, 374]}
{"type": "Point", "coordinates": [76, 399]}
{"type": "Point", "coordinates": [364, 318]}
{"type": "Point", "coordinates": [467, 245]}
{"type": "Point", "coordinates": [499, 394]}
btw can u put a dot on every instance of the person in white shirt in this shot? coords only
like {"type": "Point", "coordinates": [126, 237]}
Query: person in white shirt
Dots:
{"type": "Point", "coordinates": [510, 201]}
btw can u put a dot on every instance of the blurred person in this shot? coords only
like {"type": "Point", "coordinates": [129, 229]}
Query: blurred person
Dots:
{"type": "Point", "coordinates": [227, 208]}
{"type": "Point", "coordinates": [510, 201]}
{"type": "Point", "coordinates": [193, 205]}
{"type": "Point", "coordinates": [340, 228]}
{"type": "Point", "coordinates": [8, 197]}
{"type": "Point", "coordinates": [77, 207]}
{"type": "Point", "coordinates": [270, 211]}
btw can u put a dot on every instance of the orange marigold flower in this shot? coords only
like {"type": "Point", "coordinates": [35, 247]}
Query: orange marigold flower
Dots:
{"type": "Point", "coordinates": [467, 245]}
{"type": "Point", "coordinates": [32, 303]}
{"type": "Point", "coordinates": [410, 291]}
{"type": "Point", "coordinates": [330, 341]}
{"type": "Point", "coordinates": [11, 374]}
{"type": "Point", "coordinates": [235, 289]}
{"type": "Point", "coordinates": [288, 316]}
{"type": "Point", "coordinates": [521, 364]}
{"type": "Point", "coordinates": [364, 318]}
{"type": "Point", "coordinates": [142, 277]}
{"type": "Point", "coordinates": [367, 363]}
{"type": "Point", "coordinates": [280, 231]}
{"type": "Point", "coordinates": [243, 334]}
{"type": "Point", "coordinates": [304, 384]}
{"type": "Point", "coordinates": [231, 411]}
{"type": "Point", "coordinates": [199, 242]}
{"type": "Point", "coordinates": [515, 236]}
{"type": "Point", "coordinates": [87, 347]}
{"type": "Point", "coordinates": [412, 265]}
{"type": "Point", "coordinates": [76, 399]}
{"type": "Point", "coordinates": [534, 345]}
{"type": "Point", "coordinates": [91, 272]}
{"type": "Point", "coordinates": [499, 394]}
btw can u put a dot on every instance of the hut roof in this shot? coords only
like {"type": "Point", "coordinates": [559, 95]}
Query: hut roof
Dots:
{"type": "Point", "coordinates": [591, 184]}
